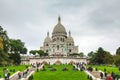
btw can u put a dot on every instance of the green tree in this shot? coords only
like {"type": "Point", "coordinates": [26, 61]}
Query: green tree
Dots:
{"type": "Point", "coordinates": [118, 51]}
{"type": "Point", "coordinates": [101, 57]}
{"type": "Point", "coordinates": [16, 48]}
{"type": "Point", "coordinates": [3, 34]}
{"type": "Point", "coordinates": [116, 60]}
{"type": "Point", "coordinates": [16, 58]}
{"type": "Point", "coordinates": [90, 54]}
{"type": "Point", "coordinates": [81, 54]}
{"type": "Point", "coordinates": [33, 52]}
{"type": "Point", "coordinates": [4, 46]}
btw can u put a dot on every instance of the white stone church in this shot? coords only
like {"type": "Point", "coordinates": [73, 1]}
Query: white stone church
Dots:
{"type": "Point", "coordinates": [60, 43]}
{"type": "Point", "coordinates": [59, 47]}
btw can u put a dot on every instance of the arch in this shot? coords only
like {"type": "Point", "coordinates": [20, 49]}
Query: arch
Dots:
{"type": "Point", "coordinates": [44, 62]}
{"type": "Point", "coordinates": [71, 62]}
{"type": "Point", "coordinates": [58, 62]}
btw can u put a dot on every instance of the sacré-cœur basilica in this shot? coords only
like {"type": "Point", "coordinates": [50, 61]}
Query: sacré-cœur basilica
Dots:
{"type": "Point", "coordinates": [59, 46]}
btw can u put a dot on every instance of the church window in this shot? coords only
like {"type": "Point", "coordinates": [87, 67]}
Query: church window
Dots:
{"type": "Point", "coordinates": [69, 50]}
{"type": "Point", "coordinates": [70, 44]}
{"type": "Point", "coordinates": [61, 45]}
{"type": "Point", "coordinates": [58, 38]}
{"type": "Point", "coordinates": [46, 51]}
{"type": "Point", "coordinates": [47, 45]}
{"type": "Point", "coordinates": [63, 39]}
{"type": "Point", "coordinates": [57, 47]}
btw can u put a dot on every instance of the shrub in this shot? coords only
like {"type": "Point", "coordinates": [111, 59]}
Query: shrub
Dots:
{"type": "Point", "coordinates": [90, 78]}
{"type": "Point", "coordinates": [75, 69]}
{"type": "Point", "coordinates": [65, 69]}
{"type": "Point", "coordinates": [13, 70]}
{"type": "Point", "coordinates": [43, 69]}
{"type": "Point", "coordinates": [31, 77]}
{"type": "Point", "coordinates": [53, 69]}
{"type": "Point", "coordinates": [49, 66]}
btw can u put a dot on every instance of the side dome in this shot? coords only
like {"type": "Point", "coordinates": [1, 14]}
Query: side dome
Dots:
{"type": "Point", "coordinates": [59, 29]}
{"type": "Point", "coordinates": [70, 39]}
{"type": "Point", "coordinates": [47, 39]}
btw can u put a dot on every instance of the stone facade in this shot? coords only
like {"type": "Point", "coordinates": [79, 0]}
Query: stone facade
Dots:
{"type": "Point", "coordinates": [53, 60]}
{"type": "Point", "coordinates": [60, 43]}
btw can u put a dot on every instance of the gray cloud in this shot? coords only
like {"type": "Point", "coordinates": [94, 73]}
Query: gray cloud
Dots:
{"type": "Point", "coordinates": [92, 23]}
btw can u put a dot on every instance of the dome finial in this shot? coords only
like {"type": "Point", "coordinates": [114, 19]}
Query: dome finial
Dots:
{"type": "Point", "coordinates": [47, 33]}
{"type": "Point", "coordinates": [69, 33]}
{"type": "Point", "coordinates": [59, 19]}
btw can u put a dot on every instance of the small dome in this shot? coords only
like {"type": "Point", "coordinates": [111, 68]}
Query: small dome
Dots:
{"type": "Point", "coordinates": [70, 39]}
{"type": "Point", "coordinates": [47, 39]}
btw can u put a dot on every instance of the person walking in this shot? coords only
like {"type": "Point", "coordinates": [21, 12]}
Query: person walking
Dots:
{"type": "Point", "coordinates": [101, 75]}
{"type": "Point", "coordinates": [110, 78]}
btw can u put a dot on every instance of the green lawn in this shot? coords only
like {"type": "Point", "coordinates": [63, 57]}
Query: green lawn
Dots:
{"type": "Point", "coordinates": [59, 74]}
{"type": "Point", "coordinates": [17, 68]}
{"type": "Point", "coordinates": [108, 69]}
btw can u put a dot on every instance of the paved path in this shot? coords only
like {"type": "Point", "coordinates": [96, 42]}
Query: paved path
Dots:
{"type": "Point", "coordinates": [94, 74]}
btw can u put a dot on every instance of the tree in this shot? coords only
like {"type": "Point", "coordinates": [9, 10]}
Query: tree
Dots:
{"type": "Point", "coordinates": [16, 58]}
{"type": "Point", "coordinates": [3, 34]}
{"type": "Point", "coordinates": [4, 46]}
{"type": "Point", "coordinates": [108, 59]}
{"type": "Point", "coordinates": [33, 52]}
{"type": "Point", "coordinates": [81, 54]}
{"type": "Point", "coordinates": [12, 46]}
{"type": "Point", "coordinates": [118, 51]}
{"type": "Point", "coordinates": [16, 47]}
{"type": "Point", "coordinates": [90, 54]}
{"type": "Point", "coordinates": [101, 57]}
{"type": "Point", "coordinates": [40, 52]}
{"type": "Point", "coordinates": [116, 60]}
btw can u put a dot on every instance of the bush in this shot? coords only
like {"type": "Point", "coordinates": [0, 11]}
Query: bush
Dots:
{"type": "Point", "coordinates": [75, 69]}
{"type": "Point", "coordinates": [31, 77]}
{"type": "Point", "coordinates": [53, 69]}
{"type": "Point", "coordinates": [13, 70]}
{"type": "Point", "coordinates": [0, 76]}
{"type": "Point", "coordinates": [49, 66]}
{"type": "Point", "coordinates": [26, 66]}
{"type": "Point", "coordinates": [65, 69]}
{"type": "Point", "coordinates": [90, 78]}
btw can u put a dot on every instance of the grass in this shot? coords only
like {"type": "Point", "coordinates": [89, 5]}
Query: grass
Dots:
{"type": "Point", "coordinates": [17, 68]}
{"type": "Point", "coordinates": [59, 74]}
{"type": "Point", "coordinates": [109, 69]}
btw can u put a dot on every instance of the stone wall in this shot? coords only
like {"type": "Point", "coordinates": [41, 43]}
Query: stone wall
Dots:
{"type": "Point", "coordinates": [53, 60]}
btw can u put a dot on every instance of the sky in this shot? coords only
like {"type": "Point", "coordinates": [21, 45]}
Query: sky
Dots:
{"type": "Point", "coordinates": [93, 23]}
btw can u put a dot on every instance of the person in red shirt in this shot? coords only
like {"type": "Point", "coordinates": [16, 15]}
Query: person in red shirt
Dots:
{"type": "Point", "coordinates": [110, 78]}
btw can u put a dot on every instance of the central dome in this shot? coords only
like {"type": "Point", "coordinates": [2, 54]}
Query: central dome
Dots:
{"type": "Point", "coordinates": [59, 29]}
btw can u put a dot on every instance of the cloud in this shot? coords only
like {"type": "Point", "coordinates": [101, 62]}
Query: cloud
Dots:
{"type": "Point", "coordinates": [93, 23]}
